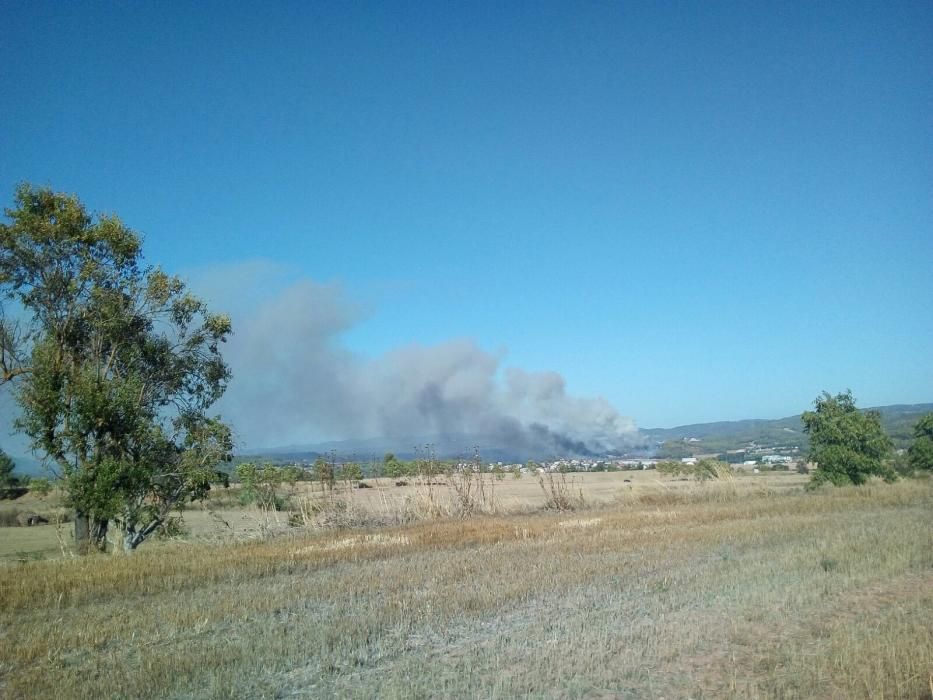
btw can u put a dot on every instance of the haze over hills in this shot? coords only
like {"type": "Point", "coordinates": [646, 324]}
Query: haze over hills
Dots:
{"type": "Point", "coordinates": [702, 438]}
{"type": "Point", "coordinates": [898, 420]}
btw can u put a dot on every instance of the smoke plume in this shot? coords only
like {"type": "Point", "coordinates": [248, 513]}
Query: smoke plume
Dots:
{"type": "Point", "coordinates": [295, 381]}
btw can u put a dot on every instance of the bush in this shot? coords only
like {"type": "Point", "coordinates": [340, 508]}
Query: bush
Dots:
{"type": "Point", "coordinates": [559, 492]}
{"type": "Point", "coordinates": [704, 470]}
{"type": "Point", "coordinates": [41, 486]}
{"type": "Point", "coordinates": [260, 484]}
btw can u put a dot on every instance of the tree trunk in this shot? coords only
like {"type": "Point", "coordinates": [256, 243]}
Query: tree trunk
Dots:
{"type": "Point", "coordinates": [82, 532]}
{"type": "Point", "coordinates": [99, 534]}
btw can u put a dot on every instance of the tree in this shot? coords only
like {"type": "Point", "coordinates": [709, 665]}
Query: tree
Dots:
{"type": "Point", "coordinates": [392, 467]}
{"type": "Point", "coordinates": [326, 473]}
{"type": "Point", "coordinates": [114, 370]}
{"type": "Point", "coordinates": [11, 485]}
{"type": "Point", "coordinates": [7, 465]}
{"type": "Point", "coordinates": [259, 484]}
{"type": "Point", "coordinates": [848, 445]}
{"type": "Point", "coordinates": [920, 452]}
{"type": "Point", "coordinates": [350, 471]}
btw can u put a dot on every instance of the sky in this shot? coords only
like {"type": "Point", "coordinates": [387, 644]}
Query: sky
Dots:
{"type": "Point", "coordinates": [650, 213]}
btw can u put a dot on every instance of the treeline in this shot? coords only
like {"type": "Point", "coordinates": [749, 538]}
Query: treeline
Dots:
{"type": "Point", "coordinates": [330, 471]}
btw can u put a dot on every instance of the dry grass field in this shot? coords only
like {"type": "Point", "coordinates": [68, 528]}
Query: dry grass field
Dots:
{"type": "Point", "coordinates": [750, 588]}
{"type": "Point", "coordinates": [221, 518]}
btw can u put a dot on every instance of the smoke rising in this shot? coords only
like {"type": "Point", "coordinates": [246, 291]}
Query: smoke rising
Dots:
{"type": "Point", "coordinates": [295, 381]}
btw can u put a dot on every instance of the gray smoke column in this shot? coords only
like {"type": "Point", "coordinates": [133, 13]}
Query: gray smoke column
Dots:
{"type": "Point", "coordinates": [296, 382]}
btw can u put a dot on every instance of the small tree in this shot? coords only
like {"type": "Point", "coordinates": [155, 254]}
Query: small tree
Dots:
{"type": "Point", "coordinates": [259, 484]}
{"type": "Point", "coordinates": [350, 471]}
{"type": "Point", "coordinates": [920, 453]}
{"type": "Point", "coordinates": [848, 445]}
{"type": "Point", "coordinates": [325, 473]}
{"type": "Point", "coordinates": [392, 468]}
{"type": "Point", "coordinates": [7, 465]}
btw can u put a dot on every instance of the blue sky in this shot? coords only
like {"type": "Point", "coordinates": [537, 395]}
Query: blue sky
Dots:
{"type": "Point", "coordinates": [698, 211]}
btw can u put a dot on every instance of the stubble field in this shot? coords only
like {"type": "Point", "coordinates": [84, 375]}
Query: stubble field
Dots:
{"type": "Point", "coordinates": [750, 588]}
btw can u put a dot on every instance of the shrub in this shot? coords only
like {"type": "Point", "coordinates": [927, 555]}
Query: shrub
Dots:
{"type": "Point", "coordinates": [41, 486]}
{"type": "Point", "coordinates": [559, 492]}
{"type": "Point", "coordinates": [260, 484]}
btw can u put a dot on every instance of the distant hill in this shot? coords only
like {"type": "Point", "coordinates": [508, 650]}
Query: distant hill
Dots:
{"type": "Point", "coordinates": [707, 438]}
{"type": "Point", "coordinates": [898, 421]}
{"type": "Point", "coordinates": [696, 438]}
{"type": "Point", "coordinates": [405, 448]}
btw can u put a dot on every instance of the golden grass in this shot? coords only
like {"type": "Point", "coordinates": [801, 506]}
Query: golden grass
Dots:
{"type": "Point", "coordinates": [706, 591]}
{"type": "Point", "coordinates": [221, 519]}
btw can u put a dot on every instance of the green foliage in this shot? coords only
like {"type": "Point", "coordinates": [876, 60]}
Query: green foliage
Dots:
{"type": "Point", "coordinates": [707, 469]}
{"type": "Point", "coordinates": [394, 468]}
{"type": "Point", "coordinates": [351, 471]}
{"type": "Point", "coordinates": [41, 486]}
{"type": "Point", "coordinates": [260, 484]}
{"type": "Point", "coordinates": [116, 369]}
{"type": "Point", "coordinates": [669, 468]}
{"type": "Point", "coordinates": [673, 449]}
{"type": "Point", "coordinates": [703, 470]}
{"type": "Point", "coordinates": [848, 445]}
{"type": "Point", "coordinates": [920, 453]}
{"type": "Point", "coordinates": [7, 465]}
{"type": "Point", "coordinates": [325, 473]}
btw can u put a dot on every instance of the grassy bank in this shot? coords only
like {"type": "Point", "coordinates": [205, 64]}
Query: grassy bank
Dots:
{"type": "Point", "coordinates": [702, 592]}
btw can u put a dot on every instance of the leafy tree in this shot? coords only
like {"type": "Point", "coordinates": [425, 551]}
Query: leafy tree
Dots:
{"type": "Point", "coordinates": [7, 465]}
{"type": "Point", "coordinates": [920, 453]}
{"type": "Point", "coordinates": [11, 485]}
{"type": "Point", "coordinates": [259, 484]}
{"type": "Point", "coordinates": [350, 471]}
{"type": "Point", "coordinates": [392, 467]}
{"type": "Point", "coordinates": [848, 445]}
{"type": "Point", "coordinates": [115, 370]}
